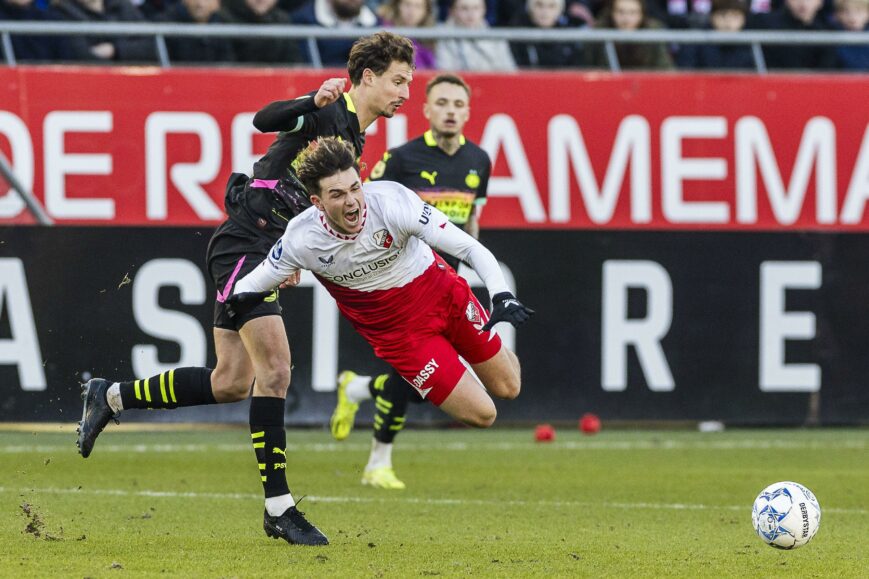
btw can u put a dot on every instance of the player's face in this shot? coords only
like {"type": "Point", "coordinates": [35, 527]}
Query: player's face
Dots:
{"type": "Point", "coordinates": [392, 88]}
{"type": "Point", "coordinates": [447, 109]}
{"type": "Point", "coordinates": [341, 200]}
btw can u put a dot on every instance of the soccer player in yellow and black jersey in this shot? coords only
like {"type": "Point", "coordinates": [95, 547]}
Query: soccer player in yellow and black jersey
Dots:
{"type": "Point", "coordinates": [451, 173]}
{"type": "Point", "coordinates": [254, 344]}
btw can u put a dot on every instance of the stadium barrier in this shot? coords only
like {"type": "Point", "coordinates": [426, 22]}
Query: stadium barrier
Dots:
{"type": "Point", "coordinates": [756, 39]}
{"type": "Point", "coordinates": [695, 248]}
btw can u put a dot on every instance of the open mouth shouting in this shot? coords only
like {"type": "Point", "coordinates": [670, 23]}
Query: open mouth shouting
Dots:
{"type": "Point", "coordinates": [353, 219]}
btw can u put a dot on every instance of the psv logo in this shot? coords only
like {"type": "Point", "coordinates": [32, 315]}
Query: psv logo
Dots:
{"type": "Point", "coordinates": [383, 239]}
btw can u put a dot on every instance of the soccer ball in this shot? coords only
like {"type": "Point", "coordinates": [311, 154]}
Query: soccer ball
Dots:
{"type": "Point", "coordinates": [786, 515]}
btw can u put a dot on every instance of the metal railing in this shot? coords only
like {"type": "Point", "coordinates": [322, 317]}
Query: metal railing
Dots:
{"type": "Point", "coordinates": [310, 34]}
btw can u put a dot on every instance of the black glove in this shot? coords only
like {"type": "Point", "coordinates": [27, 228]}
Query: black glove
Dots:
{"type": "Point", "coordinates": [506, 308]}
{"type": "Point", "coordinates": [240, 304]}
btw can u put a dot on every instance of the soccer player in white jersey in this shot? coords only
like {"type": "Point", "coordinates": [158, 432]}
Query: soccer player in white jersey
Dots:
{"type": "Point", "coordinates": [372, 247]}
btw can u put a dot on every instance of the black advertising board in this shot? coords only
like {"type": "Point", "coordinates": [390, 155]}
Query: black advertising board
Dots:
{"type": "Point", "coordinates": [744, 327]}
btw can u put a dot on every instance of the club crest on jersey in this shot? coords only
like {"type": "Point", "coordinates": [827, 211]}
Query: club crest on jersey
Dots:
{"type": "Point", "coordinates": [472, 180]}
{"type": "Point", "coordinates": [326, 261]}
{"type": "Point", "coordinates": [472, 313]}
{"type": "Point", "coordinates": [277, 251]}
{"type": "Point", "coordinates": [383, 239]}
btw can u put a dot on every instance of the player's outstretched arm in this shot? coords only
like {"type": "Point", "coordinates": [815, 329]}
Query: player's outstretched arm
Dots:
{"type": "Point", "coordinates": [284, 115]}
{"type": "Point", "coordinates": [505, 306]}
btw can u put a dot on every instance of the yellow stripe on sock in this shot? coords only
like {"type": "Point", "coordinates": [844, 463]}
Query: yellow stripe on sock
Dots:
{"type": "Point", "coordinates": [259, 444]}
{"type": "Point", "coordinates": [380, 381]}
{"type": "Point", "coordinates": [163, 388]}
{"type": "Point", "coordinates": [384, 401]}
{"type": "Point", "coordinates": [138, 391]}
{"type": "Point", "coordinates": [172, 386]}
{"type": "Point", "coordinates": [147, 390]}
{"type": "Point", "coordinates": [258, 434]}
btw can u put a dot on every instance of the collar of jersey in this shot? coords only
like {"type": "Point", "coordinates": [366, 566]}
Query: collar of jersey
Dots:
{"type": "Point", "coordinates": [343, 236]}
{"type": "Point", "coordinates": [350, 106]}
{"type": "Point", "coordinates": [432, 142]}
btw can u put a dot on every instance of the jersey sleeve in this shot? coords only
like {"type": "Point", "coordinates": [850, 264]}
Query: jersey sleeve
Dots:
{"type": "Point", "coordinates": [411, 216]}
{"type": "Point", "coordinates": [483, 189]}
{"type": "Point", "coordinates": [278, 266]}
{"type": "Point", "coordinates": [286, 116]}
{"type": "Point", "coordinates": [387, 169]}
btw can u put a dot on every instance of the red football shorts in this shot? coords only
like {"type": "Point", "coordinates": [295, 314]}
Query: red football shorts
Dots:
{"type": "Point", "coordinates": [427, 355]}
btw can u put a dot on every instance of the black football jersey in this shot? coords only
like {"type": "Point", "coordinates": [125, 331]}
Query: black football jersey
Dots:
{"type": "Point", "coordinates": [452, 183]}
{"type": "Point", "coordinates": [264, 205]}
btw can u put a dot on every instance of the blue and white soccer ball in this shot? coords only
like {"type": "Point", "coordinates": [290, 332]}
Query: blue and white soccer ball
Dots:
{"type": "Point", "coordinates": [786, 515]}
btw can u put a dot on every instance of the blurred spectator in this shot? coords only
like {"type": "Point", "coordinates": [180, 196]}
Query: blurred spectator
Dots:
{"type": "Point", "coordinates": [483, 55]}
{"type": "Point", "coordinates": [493, 11]}
{"type": "Point", "coordinates": [106, 48]}
{"type": "Point", "coordinates": [413, 14]}
{"type": "Point", "coordinates": [154, 9]}
{"type": "Point", "coordinates": [576, 12]}
{"type": "Point", "coordinates": [727, 16]}
{"type": "Point", "coordinates": [335, 14]}
{"type": "Point", "coordinates": [546, 14]}
{"type": "Point", "coordinates": [799, 16]}
{"type": "Point", "coordinates": [853, 15]}
{"type": "Point", "coordinates": [191, 48]}
{"type": "Point", "coordinates": [260, 50]}
{"type": "Point", "coordinates": [630, 15]}
{"type": "Point", "coordinates": [681, 13]}
{"type": "Point", "coordinates": [33, 48]}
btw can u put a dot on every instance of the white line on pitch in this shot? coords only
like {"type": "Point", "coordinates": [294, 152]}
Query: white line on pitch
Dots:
{"type": "Point", "coordinates": [409, 500]}
{"type": "Point", "coordinates": [748, 444]}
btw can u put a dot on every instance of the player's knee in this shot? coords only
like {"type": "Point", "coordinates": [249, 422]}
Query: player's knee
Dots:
{"type": "Point", "coordinates": [230, 387]}
{"type": "Point", "coordinates": [482, 417]}
{"type": "Point", "coordinates": [275, 378]}
{"type": "Point", "coordinates": [506, 387]}
{"type": "Point", "coordinates": [485, 418]}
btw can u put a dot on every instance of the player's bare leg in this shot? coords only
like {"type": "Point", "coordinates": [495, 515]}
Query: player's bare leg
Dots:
{"type": "Point", "coordinates": [232, 378]}
{"type": "Point", "coordinates": [470, 403]}
{"type": "Point", "coordinates": [501, 374]}
{"type": "Point", "coordinates": [265, 340]}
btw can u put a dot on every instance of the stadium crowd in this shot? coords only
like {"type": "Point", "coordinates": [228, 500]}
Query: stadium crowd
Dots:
{"type": "Point", "coordinates": [456, 55]}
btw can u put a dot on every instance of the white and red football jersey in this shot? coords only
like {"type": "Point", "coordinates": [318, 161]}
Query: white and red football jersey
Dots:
{"type": "Point", "coordinates": [393, 248]}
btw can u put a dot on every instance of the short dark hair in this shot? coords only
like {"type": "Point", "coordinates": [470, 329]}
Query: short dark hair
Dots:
{"type": "Point", "coordinates": [323, 158]}
{"type": "Point", "coordinates": [377, 52]}
{"type": "Point", "coordinates": [449, 79]}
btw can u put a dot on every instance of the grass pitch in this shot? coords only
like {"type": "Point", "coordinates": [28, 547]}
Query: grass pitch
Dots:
{"type": "Point", "coordinates": [488, 504]}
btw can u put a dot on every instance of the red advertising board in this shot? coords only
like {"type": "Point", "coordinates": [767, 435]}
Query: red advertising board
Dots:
{"type": "Point", "coordinates": [144, 146]}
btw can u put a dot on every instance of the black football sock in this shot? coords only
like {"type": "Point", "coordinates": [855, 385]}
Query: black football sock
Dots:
{"type": "Point", "coordinates": [178, 387]}
{"type": "Point", "coordinates": [391, 394]}
{"type": "Point", "coordinates": [270, 443]}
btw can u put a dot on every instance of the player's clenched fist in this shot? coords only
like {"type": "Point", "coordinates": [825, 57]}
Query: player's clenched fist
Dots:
{"type": "Point", "coordinates": [329, 91]}
{"type": "Point", "coordinates": [506, 308]}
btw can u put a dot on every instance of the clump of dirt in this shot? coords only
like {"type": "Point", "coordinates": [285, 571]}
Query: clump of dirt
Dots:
{"type": "Point", "coordinates": [36, 525]}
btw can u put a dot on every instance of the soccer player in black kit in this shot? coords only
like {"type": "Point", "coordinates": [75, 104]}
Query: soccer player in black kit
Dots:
{"type": "Point", "coordinates": [451, 173]}
{"type": "Point", "coordinates": [255, 345]}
